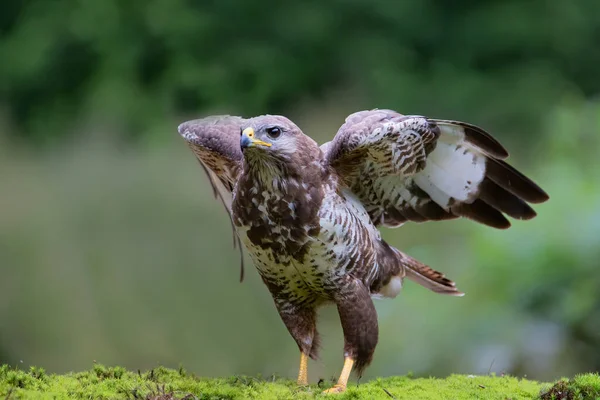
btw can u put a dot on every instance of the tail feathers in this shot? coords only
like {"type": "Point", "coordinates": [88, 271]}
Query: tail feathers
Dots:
{"type": "Point", "coordinates": [428, 277]}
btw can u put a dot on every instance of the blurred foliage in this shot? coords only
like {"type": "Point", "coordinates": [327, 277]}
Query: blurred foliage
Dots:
{"type": "Point", "coordinates": [67, 66]}
{"type": "Point", "coordinates": [119, 253]}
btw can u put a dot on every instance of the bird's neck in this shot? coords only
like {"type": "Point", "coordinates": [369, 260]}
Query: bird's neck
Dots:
{"type": "Point", "coordinates": [265, 174]}
{"type": "Point", "coordinates": [276, 187]}
{"type": "Point", "coordinates": [279, 176]}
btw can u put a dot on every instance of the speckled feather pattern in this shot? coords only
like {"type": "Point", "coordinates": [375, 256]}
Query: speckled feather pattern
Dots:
{"type": "Point", "coordinates": [308, 215]}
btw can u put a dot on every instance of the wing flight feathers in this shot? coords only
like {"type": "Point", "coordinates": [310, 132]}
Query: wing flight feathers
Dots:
{"type": "Point", "coordinates": [411, 168]}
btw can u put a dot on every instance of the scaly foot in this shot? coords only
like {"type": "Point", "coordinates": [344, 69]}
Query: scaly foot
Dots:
{"type": "Point", "coordinates": [303, 370]}
{"type": "Point", "coordinates": [337, 388]}
{"type": "Point", "coordinates": [340, 386]}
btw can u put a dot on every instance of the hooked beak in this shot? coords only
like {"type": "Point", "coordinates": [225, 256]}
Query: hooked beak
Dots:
{"type": "Point", "coordinates": [248, 139]}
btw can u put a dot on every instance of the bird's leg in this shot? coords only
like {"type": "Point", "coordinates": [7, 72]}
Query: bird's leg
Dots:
{"type": "Point", "coordinates": [303, 371]}
{"type": "Point", "coordinates": [301, 323]}
{"type": "Point", "coordinates": [342, 382]}
{"type": "Point", "coordinates": [359, 323]}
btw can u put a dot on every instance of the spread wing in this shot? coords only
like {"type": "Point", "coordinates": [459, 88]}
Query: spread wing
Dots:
{"type": "Point", "coordinates": [216, 143]}
{"type": "Point", "coordinates": [412, 168]}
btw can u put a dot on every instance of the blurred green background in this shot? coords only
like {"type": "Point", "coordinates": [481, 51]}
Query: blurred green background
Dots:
{"type": "Point", "coordinates": [113, 249]}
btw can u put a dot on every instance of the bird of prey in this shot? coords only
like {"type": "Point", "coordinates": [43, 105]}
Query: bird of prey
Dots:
{"type": "Point", "coordinates": [309, 215]}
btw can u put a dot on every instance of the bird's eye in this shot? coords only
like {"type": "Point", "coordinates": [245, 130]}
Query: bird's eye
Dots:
{"type": "Point", "coordinates": [274, 132]}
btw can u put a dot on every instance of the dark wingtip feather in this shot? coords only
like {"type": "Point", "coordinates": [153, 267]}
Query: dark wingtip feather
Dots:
{"type": "Point", "coordinates": [483, 213]}
{"type": "Point", "coordinates": [478, 137]}
{"type": "Point", "coordinates": [484, 141]}
{"type": "Point", "coordinates": [515, 182]}
{"type": "Point", "coordinates": [433, 212]}
{"type": "Point", "coordinates": [504, 201]}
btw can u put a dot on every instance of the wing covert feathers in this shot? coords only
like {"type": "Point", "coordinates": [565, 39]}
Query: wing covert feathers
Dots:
{"type": "Point", "coordinates": [215, 142]}
{"type": "Point", "coordinates": [411, 168]}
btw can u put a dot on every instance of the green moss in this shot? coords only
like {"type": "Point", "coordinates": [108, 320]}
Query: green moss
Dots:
{"type": "Point", "coordinates": [168, 384]}
{"type": "Point", "coordinates": [582, 387]}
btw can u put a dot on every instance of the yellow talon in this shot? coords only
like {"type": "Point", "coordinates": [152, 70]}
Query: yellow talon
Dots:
{"type": "Point", "coordinates": [303, 372]}
{"type": "Point", "coordinates": [340, 386]}
{"type": "Point", "coordinates": [335, 389]}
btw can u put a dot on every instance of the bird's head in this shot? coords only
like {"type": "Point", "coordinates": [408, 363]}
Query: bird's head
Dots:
{"type": "Point", "coordinates": [270, 136]}
{"type": "Point", "coordinates": [274, 145]}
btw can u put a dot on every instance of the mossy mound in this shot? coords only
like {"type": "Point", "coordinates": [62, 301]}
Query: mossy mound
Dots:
{"type": "Point", "coordinates": [582, 387]}
{"type": "Point", "coordinates": [167, 384]}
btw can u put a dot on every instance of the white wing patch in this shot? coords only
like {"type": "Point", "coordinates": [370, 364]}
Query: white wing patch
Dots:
{"type": "Point", "coordinates": [452, 171]}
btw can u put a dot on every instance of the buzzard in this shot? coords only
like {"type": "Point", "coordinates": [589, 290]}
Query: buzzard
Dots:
{"type": "Point", "coordinates": [309, 215]}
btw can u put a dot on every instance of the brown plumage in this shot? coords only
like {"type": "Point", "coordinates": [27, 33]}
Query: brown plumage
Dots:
{"type": "Point", "coordinates": [308, 215]}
